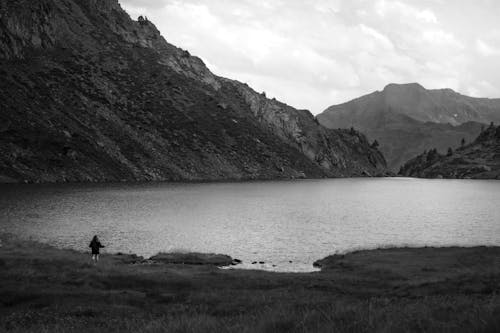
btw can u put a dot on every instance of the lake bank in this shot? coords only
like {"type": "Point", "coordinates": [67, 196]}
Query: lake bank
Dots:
{"type": "Point", "coordinates": [441, 289]}
{"type": "Point", "coordinates": [286, 225]}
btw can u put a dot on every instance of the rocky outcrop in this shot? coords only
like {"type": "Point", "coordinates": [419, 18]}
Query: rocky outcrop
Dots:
{"type": "Point", "coordinates": [479, 160]}
{"type": "Point", "coordinates": [88, 94]}
{"type": "Point", "coordinates": [407, 118]}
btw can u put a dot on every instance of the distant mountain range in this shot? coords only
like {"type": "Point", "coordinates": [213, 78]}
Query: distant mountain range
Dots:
{"type": "Point", "coordinates": [407, 119]}
{"type": "Point", "coordinates": [88, 94]}
{"type": "Point", "coordinates": [479, 159]}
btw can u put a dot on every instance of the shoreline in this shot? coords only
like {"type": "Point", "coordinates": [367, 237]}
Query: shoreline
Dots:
{"type": "Point", "coordinates": [224, 181]}
{"type": "Point", "coordinates": [197, 181]}
{"type": "Point", "coordinates": [395, 289]}
{"type": "Point", "coordinates": [228, 262]}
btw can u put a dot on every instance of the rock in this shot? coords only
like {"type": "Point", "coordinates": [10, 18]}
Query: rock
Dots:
{"type": "Point", "coordinates": [128, 258]}
{"type": "Point", "coordinates": [236, 262]}
{"type": "Point", "coordinates": [484, 168]}
{"type": "Point", "coordinates": [366, 173]}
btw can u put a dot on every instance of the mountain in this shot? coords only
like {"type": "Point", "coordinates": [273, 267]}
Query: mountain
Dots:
{"type": "Point", "coordinates": [479, 159]}
{"type": "Point", "coordinates": [88, 94]}
{"type": "Point", "coordinates": [406, 119]}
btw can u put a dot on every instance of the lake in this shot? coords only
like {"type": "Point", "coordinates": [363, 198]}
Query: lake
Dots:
{"type": "Point", "coordinates": [286, 224]}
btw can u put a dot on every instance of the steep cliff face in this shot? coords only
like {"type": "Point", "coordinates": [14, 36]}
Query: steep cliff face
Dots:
{"type": "Point", "coordinates": [479, 159]}
{"type": "Point", "coordinates": [407, 119]}
{"type": "Point", "coordinates": [87, 94]}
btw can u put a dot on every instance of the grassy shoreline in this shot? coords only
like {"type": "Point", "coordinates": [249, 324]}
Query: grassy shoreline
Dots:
{"type": "Point", "coordinates": [45, 289]}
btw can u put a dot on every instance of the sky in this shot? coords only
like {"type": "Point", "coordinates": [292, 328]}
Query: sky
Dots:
{"type": "Point", "coordinates": [315, 53]}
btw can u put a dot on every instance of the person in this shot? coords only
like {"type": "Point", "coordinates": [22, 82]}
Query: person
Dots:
{"type": "Point", "coordinates": [95, 245]}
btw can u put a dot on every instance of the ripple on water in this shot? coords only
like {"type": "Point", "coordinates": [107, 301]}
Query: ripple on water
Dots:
{"type": "Point", "coordinates": [287, 224]}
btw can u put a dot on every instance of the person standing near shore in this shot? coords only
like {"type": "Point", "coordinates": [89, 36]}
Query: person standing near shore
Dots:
{"type": "Point", "coordinates": [95, 245]}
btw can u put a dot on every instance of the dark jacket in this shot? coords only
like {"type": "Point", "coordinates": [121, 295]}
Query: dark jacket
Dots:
{"type": "Point", "coordinates": [95, 246]}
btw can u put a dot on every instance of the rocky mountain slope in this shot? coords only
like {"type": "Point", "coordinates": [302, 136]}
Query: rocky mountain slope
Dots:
{"type": "Point", "coordinates": [407, 119]}
{"type": "Point", "coordinates": [87, 94]}
{"type": "Point", "coordinates": [479, 159]}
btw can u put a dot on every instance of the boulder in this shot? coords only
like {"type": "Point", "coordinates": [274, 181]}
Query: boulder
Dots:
{"type": "Point", "coordinates": [236, 262]}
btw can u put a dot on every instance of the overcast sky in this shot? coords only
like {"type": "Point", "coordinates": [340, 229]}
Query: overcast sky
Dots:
{"type": "Point", "coordinates": [315, 53]}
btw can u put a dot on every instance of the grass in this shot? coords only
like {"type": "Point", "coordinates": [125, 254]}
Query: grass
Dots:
{"type": "Point", "coordinates": [392, 290]}
{"type": "Point", "coordinates": [193, 258]}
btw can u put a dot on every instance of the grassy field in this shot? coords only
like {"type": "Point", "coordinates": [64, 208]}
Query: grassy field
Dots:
{"type": "Point", "coordinates": [44, 289]}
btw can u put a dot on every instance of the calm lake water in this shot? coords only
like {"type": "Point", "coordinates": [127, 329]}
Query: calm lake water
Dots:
{"type": "Point", "coordinates": [289, 224]}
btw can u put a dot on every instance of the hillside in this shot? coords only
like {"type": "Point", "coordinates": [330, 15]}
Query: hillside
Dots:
{"type": "Point", "coordinates": [88, 94]}
{"type": "Point", "coordinates": [407, 119]}
{"type": "Point", "coordinates": [479, 160]}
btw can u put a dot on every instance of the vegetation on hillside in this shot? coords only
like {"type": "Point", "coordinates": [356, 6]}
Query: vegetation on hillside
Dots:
{"type": "Point", "coordinates": [479, 159]}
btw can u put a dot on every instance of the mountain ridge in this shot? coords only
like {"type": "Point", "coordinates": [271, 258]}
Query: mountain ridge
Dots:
{"type": "Point", "coordinates": [407, 119]}
{"type": "Point", "coordinates": [408, 91]}
{"type": "Point", "coordinates": [89, 94]}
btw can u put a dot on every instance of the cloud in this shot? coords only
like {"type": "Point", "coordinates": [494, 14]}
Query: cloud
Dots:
{"type": "Point", "coordinates": [441, 38]}
{"type": "Point", "coordinates": [315, 53]}
{"type": "Point", "coordinates": [377, 37]}
{"type": "Point", "coordinates": [478, 89]}
{"type": "Point", "coordinates": [489, 45]}
{"type": "Point", "coordinates": [426, 15]}
{"type": "Point", "coordinates": [404, 11]}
